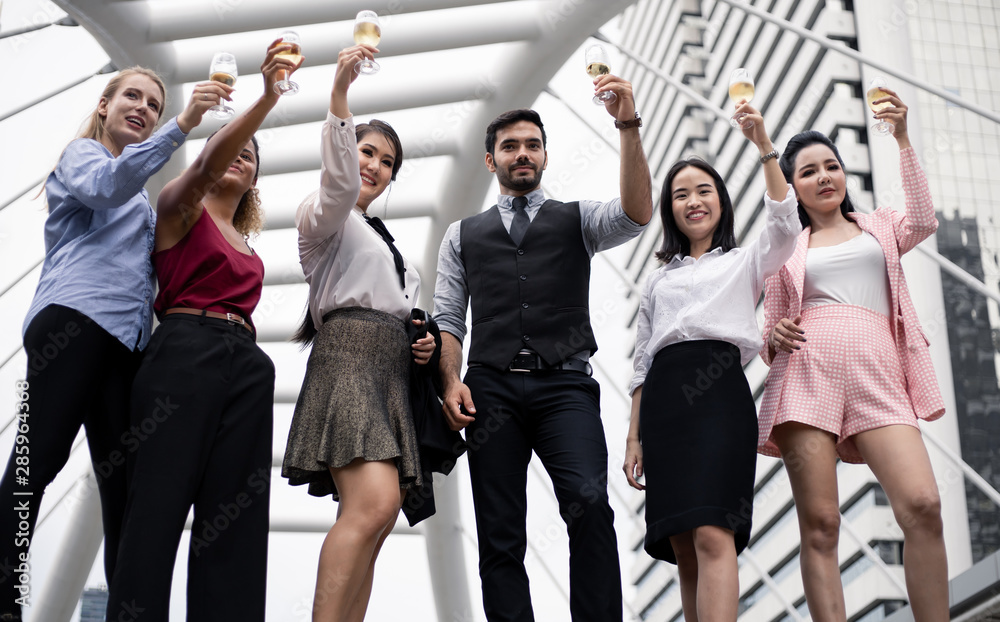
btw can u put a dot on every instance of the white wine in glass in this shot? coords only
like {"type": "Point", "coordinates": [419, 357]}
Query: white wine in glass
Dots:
{"type": "Point", "coordinates": [367, 31]}
{"type": "Point", "coordinates": [740, 89]}
{"type": "Point", "coordinates": [222, 69]}
{"type": "Point", "coordinates": [876, 91]}
{"type": "Point", "coordinates": [597, 65]}
{"type": "Point", "coordinates": [284, 86]}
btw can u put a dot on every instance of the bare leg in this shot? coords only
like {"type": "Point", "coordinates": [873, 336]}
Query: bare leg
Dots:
{"type": "Point", "coordinates": [810, 458]}
{"type": "Point", "coordinates": [718, 574]}
{"type": "Point", "coordinates": [360, 605]}
{"type": "Point", "coordinates": [687, 573]}
{"type": "Point", "coordinates": [709, 576]}
{"type": "Point", "coordinates": [898, 458]}
{"type": "Point", "coordinates": [369, 503]}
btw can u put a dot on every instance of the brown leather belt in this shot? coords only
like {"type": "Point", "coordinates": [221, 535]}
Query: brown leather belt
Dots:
{"type": "Point", "coordinates": [232, 318]}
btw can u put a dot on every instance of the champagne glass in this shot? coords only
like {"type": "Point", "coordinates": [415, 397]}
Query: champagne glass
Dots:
{"type": "Point", "coordinates": [740, 88]}
{"type": "Point", "coordinates": [222, 69]}
{"type": "Point", "coordinates": [367, 32]}
{"type": "Point", "coordinates": [876, 91]}
{"type": "Point", "coordinates": [598, 65]}
{"type": "Point", "coordinates": [284, 86]}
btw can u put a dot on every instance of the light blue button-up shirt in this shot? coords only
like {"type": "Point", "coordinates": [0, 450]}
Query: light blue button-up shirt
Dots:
{"type": "Point", "coordinates": [99, 234]}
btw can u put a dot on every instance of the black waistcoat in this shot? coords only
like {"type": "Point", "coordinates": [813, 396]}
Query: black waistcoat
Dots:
{"type": "Point", "coordinates": [535, 295]}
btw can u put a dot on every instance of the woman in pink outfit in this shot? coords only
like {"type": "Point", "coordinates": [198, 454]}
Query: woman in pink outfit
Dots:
{"type": "Point", "coordinates": [850, 369]}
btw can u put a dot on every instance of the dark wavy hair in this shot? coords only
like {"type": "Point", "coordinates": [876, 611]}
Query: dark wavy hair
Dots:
{"type": "Point", "coordinates": [510, 118]}
{"type": "Point", "coordinates": [306, 333]}
{"type": "Point", "coordinates": [787, 163]}
{"type": "Point", "coordinates": [675, 242]}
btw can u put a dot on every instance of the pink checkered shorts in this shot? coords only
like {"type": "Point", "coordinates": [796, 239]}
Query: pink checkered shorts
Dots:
{"type": "Point", "coordinates": [846, 379]}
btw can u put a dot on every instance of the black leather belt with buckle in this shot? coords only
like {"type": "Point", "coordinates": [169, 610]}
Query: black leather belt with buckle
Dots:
{"type": "Point", "coordinates": [530, 361]}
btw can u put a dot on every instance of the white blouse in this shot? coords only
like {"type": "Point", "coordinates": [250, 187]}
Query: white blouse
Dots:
{"type": "Point", "coordinates": [346, 262]}
{"type": "Point", "coordinates": [850, 273]}
{"type": "Point", "coordinates": [714, 296]}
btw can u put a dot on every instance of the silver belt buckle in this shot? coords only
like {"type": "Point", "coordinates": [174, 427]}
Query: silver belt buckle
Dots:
{"type": "Point", "coordinates": [232, 318]}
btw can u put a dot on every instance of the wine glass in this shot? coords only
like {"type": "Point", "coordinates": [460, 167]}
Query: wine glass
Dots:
{"type": "Point", "coordinates": [367, 32]}
{"type": "Point", "coordinates": [740, 88]}
{"type": "Point", "coordinates": [598, 65]}
{"type": "Point", "coordinates": [876, 90]}
{"type": "Point", "coordinates": [222, 69]}
{"type": "Point", "coordinates": [284, 86]}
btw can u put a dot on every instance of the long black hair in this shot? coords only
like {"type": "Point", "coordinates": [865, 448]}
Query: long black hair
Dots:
{"type": "Point", "coordinates": [787, 163]}
{"type": "Point", "coordinates": [675, 242]}
{"type": "Point", "coordinates": [306, 332]}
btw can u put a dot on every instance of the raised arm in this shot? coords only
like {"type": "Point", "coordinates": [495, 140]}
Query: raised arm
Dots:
{"type": "Point", "coordinates": [776, 242]}
{"type": "Point", "coordinates": [101, 181]}
{"type": "Point", "coordinates": [636, 185]}
{"type": "Point", "coordinates": [777, 187]}
{"type": "Point", "coordinates": [918, 222]}
{"type": "Point", "coordinates": [180, 199]}
{"type": "Point", "coordinates": [340, 184]}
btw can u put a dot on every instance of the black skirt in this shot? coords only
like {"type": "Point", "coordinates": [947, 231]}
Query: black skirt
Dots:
{"type": "Point", "coordinates": [698, 427]}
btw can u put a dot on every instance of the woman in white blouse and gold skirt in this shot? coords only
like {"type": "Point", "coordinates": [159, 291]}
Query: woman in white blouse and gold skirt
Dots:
{"type": "Point", "coordinates": [692, 409]}
{"type": "Point", "coordinates": [352, 434]}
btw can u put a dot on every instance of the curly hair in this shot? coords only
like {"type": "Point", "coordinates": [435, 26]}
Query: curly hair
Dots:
{"type": "Point", "coordinates": [249, 217]}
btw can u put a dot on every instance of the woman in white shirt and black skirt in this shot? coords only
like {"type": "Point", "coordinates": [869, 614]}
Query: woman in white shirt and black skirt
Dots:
{"type": "Point", "coordinates": [352, 434]}
{"type": "Point", "coordinates": [693, 432]}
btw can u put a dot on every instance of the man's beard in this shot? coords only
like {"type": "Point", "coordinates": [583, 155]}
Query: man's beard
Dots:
{"type": "Point", "coordinates": [520, 183]}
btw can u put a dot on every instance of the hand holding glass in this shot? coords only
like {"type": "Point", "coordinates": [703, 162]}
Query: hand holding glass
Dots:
{"type": "Point", "coordinates": [597, 66]}
{"type": "Point", "coordinates": [367, 32]}
{"type": "Point", "coordinates": [222, 69]}
{"type": "Point", "coordinates": [876, 91]}
{"type": "Point", "coordinates": [740, 89]}
{"type": "Point", "coordinates": [284, 86]}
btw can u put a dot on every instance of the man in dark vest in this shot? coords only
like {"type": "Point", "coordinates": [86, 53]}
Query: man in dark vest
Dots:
{"type": "Point", "coordinates": [525, 264]}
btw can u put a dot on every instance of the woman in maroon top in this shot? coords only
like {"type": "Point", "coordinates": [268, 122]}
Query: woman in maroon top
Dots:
{"type": "Point", "coordinates": [202, 399]}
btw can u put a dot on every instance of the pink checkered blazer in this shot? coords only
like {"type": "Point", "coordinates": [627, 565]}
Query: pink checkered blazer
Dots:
{"type": "Point", "coordinates": [897, 233]}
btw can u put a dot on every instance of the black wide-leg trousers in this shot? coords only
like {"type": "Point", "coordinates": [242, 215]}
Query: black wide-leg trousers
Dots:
{"type": "Point", "coordinates": [556, 414]}
{"type": "Point", "coordinates": [203, 403]}
{"type": "Point", "coordinates": [78, 374]}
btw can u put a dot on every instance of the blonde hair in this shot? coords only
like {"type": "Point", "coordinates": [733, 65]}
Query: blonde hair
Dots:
{"type": "Point", "coordinates": [93, 127]}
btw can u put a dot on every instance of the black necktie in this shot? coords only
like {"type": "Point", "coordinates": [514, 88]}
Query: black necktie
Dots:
{"type": "Point", "coordinates": [520, 223]}
{"type": "Point", "coordinates": [379, 226]}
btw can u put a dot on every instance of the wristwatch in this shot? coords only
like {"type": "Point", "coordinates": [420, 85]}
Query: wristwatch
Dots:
{"type": "Point", "coordinates": [636, 122]}
{"type": "Point", "coordinates": [767, 156]}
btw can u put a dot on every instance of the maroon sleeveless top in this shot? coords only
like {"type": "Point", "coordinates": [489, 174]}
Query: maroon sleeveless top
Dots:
{"type": "Point", "coordinates": [204, 271]}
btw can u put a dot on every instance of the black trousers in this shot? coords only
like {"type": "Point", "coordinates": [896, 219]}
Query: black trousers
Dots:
{"type": "Point", "coordinates": [556, 414]}
{"type": "Point", "coordinates": [78, 374]}
{"type": "Point", "coordinates": [202, 407]}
